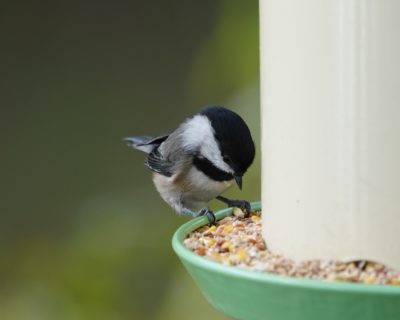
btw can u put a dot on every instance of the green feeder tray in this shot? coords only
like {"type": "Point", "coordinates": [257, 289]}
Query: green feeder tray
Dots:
{"type": "Point", "coordinates": [246, 295]}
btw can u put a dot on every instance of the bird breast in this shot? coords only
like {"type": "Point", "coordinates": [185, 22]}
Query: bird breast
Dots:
{"type": "Point", "coordinates": [191, 189]}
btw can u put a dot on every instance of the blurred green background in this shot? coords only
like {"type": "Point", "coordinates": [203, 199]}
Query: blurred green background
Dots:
{"type": "Point", "coordinates": [84, 235]}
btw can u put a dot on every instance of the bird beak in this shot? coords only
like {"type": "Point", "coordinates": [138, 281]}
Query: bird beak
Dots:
{"type": "Point", "coordinates": [238, 180]}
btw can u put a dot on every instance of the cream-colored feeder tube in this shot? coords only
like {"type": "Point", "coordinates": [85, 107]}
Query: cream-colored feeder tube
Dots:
{"type": "Point", "coordinates": [330, 92]}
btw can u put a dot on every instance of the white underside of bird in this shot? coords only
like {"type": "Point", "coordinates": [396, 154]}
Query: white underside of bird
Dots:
{"type": "Point", "coordinates": [192, 190]}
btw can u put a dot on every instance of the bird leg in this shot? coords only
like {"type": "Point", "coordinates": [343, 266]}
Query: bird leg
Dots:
{"type": "Point", "coordinates": [203, 212]}
{"type": "Point", "coordinates": [242, 204]}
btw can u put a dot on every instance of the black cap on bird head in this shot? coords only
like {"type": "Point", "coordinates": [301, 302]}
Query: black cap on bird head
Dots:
{"type": "Point", "coordinates": [234, 139]}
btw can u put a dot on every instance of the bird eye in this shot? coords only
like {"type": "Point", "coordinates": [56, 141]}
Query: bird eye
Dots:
{"type": "Point", "coordinates": [226, 159]}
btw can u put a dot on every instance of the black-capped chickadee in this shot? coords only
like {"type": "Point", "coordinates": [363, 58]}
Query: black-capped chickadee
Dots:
{"type": "Point", "coordinates": [199, 160]}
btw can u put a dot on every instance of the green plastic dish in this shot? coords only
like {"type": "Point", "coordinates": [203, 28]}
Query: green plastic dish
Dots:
{"type": "Point", "coordinates": [247, 295]}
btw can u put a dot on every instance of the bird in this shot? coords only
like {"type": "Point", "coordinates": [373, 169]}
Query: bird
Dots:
{"type": "Point", "coordinates": [198, 161]}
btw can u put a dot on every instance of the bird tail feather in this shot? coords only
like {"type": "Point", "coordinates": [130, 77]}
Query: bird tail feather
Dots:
{"type": "Point", "coordinates": [145, 143]}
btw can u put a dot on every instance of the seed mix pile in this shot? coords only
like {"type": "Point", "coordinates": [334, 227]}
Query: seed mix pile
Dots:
{"type": "Point", "coordinates": [236, 241]}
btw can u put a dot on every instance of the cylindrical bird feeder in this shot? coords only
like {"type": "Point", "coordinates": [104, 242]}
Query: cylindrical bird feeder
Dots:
{"type": "Point", "coordinates": [330, 92]}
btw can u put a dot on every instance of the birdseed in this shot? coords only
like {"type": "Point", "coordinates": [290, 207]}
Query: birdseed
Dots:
{"type": "Point", "coordinates": [237, 241]}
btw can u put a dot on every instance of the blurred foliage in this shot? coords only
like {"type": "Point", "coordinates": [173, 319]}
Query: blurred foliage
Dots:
{"type": "Point", "coordinates": [84, 235]}
{"type": "Point", "coordinates": [229, 60]}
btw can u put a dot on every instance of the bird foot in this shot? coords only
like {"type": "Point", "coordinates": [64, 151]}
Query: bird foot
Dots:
{"type": "Point", "coordinates": [242, 204]}
{"type": "Point", "coordinates": [209, 214]}
{"type": "Point", "coordinates": [203, 212]}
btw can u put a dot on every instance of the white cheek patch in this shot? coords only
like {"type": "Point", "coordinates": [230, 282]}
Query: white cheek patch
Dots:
{"type": "Point", "coordinates": [199, 134]}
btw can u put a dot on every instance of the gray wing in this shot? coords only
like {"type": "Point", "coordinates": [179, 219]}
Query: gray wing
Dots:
{"type": "Point", "coordinates": [158, 163]}
{"type": "Point", "coordinates": [170, 157]}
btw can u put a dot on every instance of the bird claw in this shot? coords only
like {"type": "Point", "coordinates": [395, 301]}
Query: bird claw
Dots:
{"type": "Point", "coordinates": [242, 204]}
{"type": "Point", "coordinates": [246, 206]}
{"type": "Point", "coordinates": [209, 214]}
